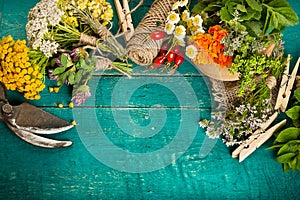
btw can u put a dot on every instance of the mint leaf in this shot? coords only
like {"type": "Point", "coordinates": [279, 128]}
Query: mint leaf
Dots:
{"type": "Point", "coordinates": [293, 113]}
{"type": "Point", "coordinates": [290, 147]}
{"type": "Point", "coordinates": [291, 133]}
{"type": "Point", "coordinates": [285, 158]}
{"type": "Point", "coordinates": [241, 8]}
{"type": "Point", "coordinates": [254, 5]}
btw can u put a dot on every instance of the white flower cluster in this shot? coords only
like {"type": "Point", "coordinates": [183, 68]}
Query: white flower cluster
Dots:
{"type": "Point", "coordinates": [236, 130]}
{"type": "Point", "coordinates": [45, 14]}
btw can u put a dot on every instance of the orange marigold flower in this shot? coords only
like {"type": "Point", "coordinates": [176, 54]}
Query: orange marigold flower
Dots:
{"type": "Point", "coordinates": [213, 29]}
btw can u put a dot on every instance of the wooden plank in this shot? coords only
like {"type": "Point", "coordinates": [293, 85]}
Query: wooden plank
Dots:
{"type": "Point", "coordinates": [28, 172]}
{"type": "Point", "coordinates": [140, 91]}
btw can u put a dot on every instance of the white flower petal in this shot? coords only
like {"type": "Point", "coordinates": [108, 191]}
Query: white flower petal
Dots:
{"type": "Point", "coordinates": [173, 17]}
{"type": "Point", "coordinates": [191, 51]}
{"type": "Point", "coordinates": [169, 28]}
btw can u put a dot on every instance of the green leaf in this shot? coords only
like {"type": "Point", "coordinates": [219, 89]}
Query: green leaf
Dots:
{"type": "Point", "coordinates": [58, 70]}
{"type": "Point", "coordinates": [249, 15]}
{"type": "Point", "coordinates": [279, 14]}
{"type": "Point", "coordinates": [296, 123]}
{"type": "Point", "coordinates": [254, 27]}
{"type": "Point", "coordinates": [199, 7]}
{"type": "Point", "coordinates": [206, 7]}
{"type": "Point", "coordinates": [285, 158]}
{"type": "Point", "coordinates": [286, 167]}
{"type": "Point", "coordinates": [64, 60]}
{"type": "Point", "coordinates": [71, 78]}
{"type": "Point", "coordinates": [293, 163]}
{"type": "Point", "coordinates": [213, 7]}
{"type": "Point", "coordinates": [293, 113]}
{"type": "Point", "coordinates": [254, 5]}
{"type": "Point", "coordinates": [241, 8]}
{"type": "Point", "coordinates": [231, 7]}
{"type": "Point", "coordinates": [290, 147]}
{"type": "Point", "coordinates": [225, 15]}
{"type": "Point", "coordinates": [291, 133]}
{"type": "Point", "coordinates": [62, 78]}
{"type": "Point", "coordinates": [275, 146]}
{"type": "Point", "coordinates": [297, 94]}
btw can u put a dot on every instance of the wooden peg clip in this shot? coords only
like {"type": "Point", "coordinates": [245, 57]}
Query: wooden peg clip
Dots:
{"type": "Point", "coordinates": [125, 18]}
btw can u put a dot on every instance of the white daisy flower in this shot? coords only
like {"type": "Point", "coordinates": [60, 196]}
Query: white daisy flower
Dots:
{"type": "Point", "coordinates": [169, 28]}
{"type": "Point", "coordinates": [173, 17]}
{"type": "Point", "coordinates": [185, 15]}
{"type": "Point", "coordinates": [197, 20]}
{"type": "Point", "coordinates": [176, 5]}
{"type": "Point", "coordinates": [179, 32]}
{"type": "Point", "coordinates": [191, 51]}
{"type": "Point", "coordinates": [183, 3]}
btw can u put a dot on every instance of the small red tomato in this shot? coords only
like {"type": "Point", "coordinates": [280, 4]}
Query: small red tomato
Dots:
{"type": "Point", "coordinates": [157, 35]}
{"type": "Point", "coordinates": [158, 61]}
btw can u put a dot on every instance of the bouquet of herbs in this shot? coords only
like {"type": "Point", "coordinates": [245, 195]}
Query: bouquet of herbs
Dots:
{"type": "Point", "coordinates": [73, 34]}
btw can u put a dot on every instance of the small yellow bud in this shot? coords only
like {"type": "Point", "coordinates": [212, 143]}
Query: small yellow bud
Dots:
{"type": "Point", "coordinates": [60, 105]}
{"type": "Point", "coordinates": [50, 89]}
{"type": "Point", "coordinates": [73, 122]}
{"type": "Point", "coordinates": [56, 89]}
{"type": "Point", "coordinates": [71, 104]}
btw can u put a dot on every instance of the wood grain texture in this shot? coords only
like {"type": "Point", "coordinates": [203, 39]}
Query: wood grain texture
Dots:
{"type": "Point", "coordinates": [28, 172]}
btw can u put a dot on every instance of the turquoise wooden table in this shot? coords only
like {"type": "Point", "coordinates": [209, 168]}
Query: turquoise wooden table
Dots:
{"type": "Point", "coordinates": [137, 138]}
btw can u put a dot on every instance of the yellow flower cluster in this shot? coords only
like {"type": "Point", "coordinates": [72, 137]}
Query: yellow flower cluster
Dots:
{"type": "Point", "coordinates": [100, 9]}
{"type": "Point", "coordinates": [16, 70]}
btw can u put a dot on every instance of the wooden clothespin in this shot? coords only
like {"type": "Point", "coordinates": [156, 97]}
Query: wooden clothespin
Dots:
{"type": "Point", "coordinates": [257, 139]}
{"type": "Point", "coordinates": [125, 18]}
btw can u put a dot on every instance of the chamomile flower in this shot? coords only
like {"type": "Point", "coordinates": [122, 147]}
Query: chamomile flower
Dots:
{"type": "Point", "coordinates": [176, 5]}
{"type": "Point", "coordinates": [185, 15]}
{"type": "Point", "coordinates": [197, 20]}
{"type": "Point", "coordinates": [173, 17]}
{"type": "Point", "coordinates": [183, 3]}
{"type": "Point", "coordinates": [191, 51]}
{"type": "Point", "coordinates": [169, 28]}
{"type": "Point", "coordinates": [179, 32]}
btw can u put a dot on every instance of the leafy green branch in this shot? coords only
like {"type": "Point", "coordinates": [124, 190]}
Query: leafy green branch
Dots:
{"type": "Point", "coordinates": [256, 17]}
{"type": "Point", "coordinates": [287, 142]}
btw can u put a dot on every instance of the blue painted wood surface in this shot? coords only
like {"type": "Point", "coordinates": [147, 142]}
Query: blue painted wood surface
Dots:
{"type": "Point", "coordinates": [121, 109]}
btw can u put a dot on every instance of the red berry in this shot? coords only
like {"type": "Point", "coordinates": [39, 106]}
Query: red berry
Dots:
{"type": "Point", "coordinates": [159, 61]}
{"type": "Point", "coordinates": [157, 35]}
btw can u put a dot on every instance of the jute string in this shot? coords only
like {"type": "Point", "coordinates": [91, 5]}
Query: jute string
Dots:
{"type": "Point", "coordinates": [141, 49]}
